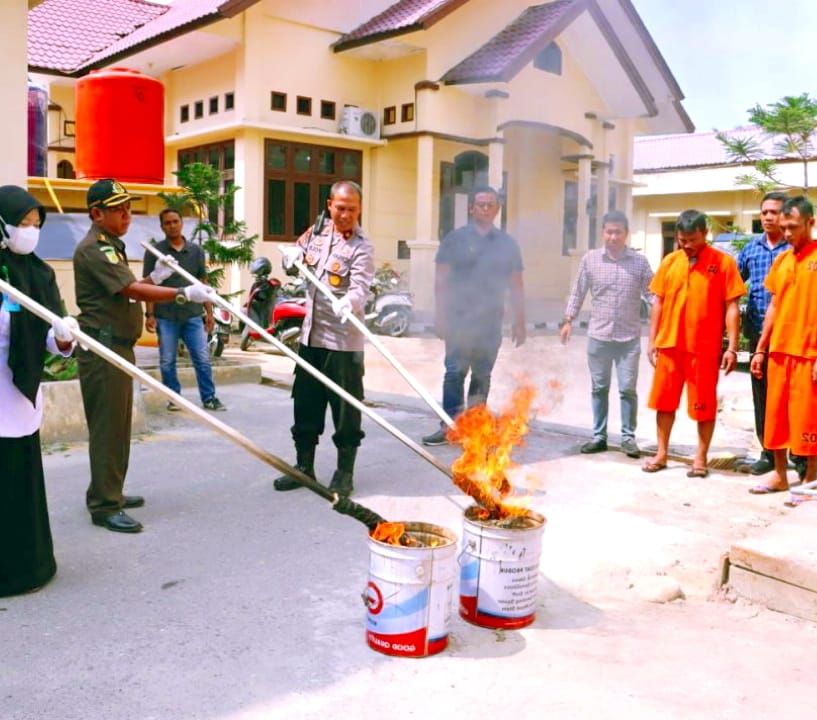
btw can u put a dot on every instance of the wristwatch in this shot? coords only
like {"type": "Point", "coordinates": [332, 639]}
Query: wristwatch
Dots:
{"type": "Point", "coordinates": [181, 298]}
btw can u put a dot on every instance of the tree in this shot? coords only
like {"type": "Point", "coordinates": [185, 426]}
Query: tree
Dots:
{"type": "Point", "coordinates": [224, 242]}
{"type": "Point", "coordinates": [790, 125]}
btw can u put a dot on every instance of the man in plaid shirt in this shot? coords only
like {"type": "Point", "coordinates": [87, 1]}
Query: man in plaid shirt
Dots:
{"type": "Point", "coordinates": [616, 277]}
{"type": "Point", "coordinates": [754, 262]}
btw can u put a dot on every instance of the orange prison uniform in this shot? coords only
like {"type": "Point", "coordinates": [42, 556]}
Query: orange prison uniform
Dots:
{"type": "Point", "coordinates": [791, 395]}
{"type": "Point", "coordinates": [690, 331]}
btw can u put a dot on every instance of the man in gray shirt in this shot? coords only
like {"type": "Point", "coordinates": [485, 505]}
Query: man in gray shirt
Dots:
{"type": "Point", "coordinates": [616, 278]}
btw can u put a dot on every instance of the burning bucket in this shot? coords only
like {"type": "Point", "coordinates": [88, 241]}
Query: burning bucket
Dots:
{"type": "Point", "coordinates": [499, 569]}
{"type": "Point", "coordinates": [410, 592]}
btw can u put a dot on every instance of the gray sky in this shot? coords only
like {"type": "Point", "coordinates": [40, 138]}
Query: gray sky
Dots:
{"type": "Point", "coordinates": [728, 55]}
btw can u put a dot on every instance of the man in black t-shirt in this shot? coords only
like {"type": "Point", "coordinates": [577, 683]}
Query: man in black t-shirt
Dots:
{"type": "Point", "coordinates": [476, 264]}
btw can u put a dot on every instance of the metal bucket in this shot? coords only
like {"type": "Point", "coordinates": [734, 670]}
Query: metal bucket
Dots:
{"type": "Point", "coordinates": [499, 570]}
{"type": "Point", "coordinates": [410, 592]}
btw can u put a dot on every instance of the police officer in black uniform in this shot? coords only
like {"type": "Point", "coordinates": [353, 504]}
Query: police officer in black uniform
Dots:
{"type": "Point", "coordinates": [108, 296]}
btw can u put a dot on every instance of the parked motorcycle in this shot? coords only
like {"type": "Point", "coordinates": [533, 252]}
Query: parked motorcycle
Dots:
{"type": "Point", "coordinates": [388, 310]}
{"type": "Point", "coordinates": [220, 335]}
{"type": "Point", "coordinates": [269, 305]}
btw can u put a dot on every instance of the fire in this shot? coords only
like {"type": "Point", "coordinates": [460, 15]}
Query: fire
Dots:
{"type": "Point", "coordinates": [487, 443]}
{"type": "Point", "coordinates": [393, 533]}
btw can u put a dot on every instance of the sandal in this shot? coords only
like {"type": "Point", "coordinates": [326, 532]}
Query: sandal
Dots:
{"type": "Point", "coordinates": [653, 467]}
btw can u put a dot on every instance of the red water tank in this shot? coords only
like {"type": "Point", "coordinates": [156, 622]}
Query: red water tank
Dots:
{"type": "Point", "coordinates": [120, 126]}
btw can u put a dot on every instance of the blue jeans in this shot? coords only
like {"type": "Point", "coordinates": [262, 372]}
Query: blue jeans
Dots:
{"type": "Point", "coordinates": [461, 357]}
{"type": "Point", "coordinates": [600, 358]}
{"type": "Point", "coordinates": [192, 334]}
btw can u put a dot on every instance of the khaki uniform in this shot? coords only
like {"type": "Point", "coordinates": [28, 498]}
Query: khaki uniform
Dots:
{"type": "Point", "coordinates": [100, 272]}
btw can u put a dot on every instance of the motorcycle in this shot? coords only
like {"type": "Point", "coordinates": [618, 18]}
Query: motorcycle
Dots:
{"type": "Point", "coordinates": [220, 335]}
{"type": "Point", "coordinates": [280, 313]}
{"type": "Point", "coordinates": [388, 310]}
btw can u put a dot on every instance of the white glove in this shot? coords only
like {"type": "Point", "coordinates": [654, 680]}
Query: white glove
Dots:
{"type": "Point", "coordinates": [199, 293]}
{"type": "Point", "coordinates": [342, 307]}
{"type": "Point", "coordinates": [62, 328]}
{"type": "Point", "coordinates": [292, 254]}
{"type": "Point", "coordinates": [161, 272]}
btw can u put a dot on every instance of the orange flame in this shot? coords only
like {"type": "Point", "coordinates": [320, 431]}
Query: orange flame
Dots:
{"type": "Point", "coordinates": [487, 442]}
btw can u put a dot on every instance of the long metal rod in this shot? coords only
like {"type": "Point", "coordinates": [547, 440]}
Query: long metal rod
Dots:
{"type": "Point", "coordinates": [221, 302]}
{"type": "Point", "coordinates": [374, 340]}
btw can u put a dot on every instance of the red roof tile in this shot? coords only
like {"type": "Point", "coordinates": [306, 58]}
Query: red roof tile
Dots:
{"type": "Point", "coordinates": [64, 34]}
{"type": "Point", "coordinates": [75, 36]}
{"type": "Point", "coordinates": [512, 48]}
{"type": "Point", "coordinates": [403, 17]}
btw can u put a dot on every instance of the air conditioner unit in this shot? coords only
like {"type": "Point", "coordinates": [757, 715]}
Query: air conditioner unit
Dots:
{"type": "Point", "coordinates": [359, 122]}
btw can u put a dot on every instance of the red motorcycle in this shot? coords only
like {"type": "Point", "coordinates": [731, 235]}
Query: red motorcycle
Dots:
{"type": "Point", "coordinates": [279, 312]}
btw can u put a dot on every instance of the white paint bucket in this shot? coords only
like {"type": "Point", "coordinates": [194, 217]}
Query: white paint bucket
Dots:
{"type": "Point", "coordinates": [499, 570]}
{"type": "Point", "coordinates": [410, 592]}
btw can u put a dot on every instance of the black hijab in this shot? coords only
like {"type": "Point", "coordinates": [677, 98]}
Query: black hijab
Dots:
{"type": "Point", "coordinates": [33, 277]}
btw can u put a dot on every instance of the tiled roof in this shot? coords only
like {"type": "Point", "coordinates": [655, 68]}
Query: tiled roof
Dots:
{"type": "Point", "coordinates": [403, 17]}
{"type": "Point", "coordinates": [665, 152]}
{"type": "Point", "coordinates": [75, 36]}
{"type": "Point", "coordinates": [512, 48]}
{"type": "Point", "coordinates": [65, 34]}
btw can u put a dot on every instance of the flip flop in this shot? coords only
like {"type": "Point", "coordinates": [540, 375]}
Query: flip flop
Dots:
{"type": "Point", "coordinates": [653, 467]}
{"type": "Point", "coordinates": [766, 490]}
{"type": "Point", "coordinates": [799, 500]}
{"type": "Point", "coordinates": [698, 473]}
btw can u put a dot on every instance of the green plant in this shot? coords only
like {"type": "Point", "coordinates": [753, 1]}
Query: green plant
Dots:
{"type": "Point", "coordinates": [222, 237]}
{"type": "Point", "coordinates": [791, 125]}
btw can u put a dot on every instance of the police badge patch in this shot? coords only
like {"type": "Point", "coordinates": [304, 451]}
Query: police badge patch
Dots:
{"type": "Point", "coordinates": [110, 253]}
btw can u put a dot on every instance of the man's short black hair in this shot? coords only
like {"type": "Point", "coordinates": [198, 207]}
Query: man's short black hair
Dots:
{"type": "Point", "coordinates": [616, 216]}
{"type": "Point", "coordinates": [482, 189]}
{"type": "Point", "coordinates": [692, 221]}
{"type": "Point", "coordinates": [166, 211]}
{"type": "Point", "coordinates": [799, 202]}
{"type": "Point", "coordinates": [774, 195]}
{"type": "Point", "coordinates": [349, 185]}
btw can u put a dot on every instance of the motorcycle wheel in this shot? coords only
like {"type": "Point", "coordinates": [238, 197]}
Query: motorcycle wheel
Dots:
{"type": "Point", "coordinates": [246, 340]}
{"type": "Point", "coordinates": [295, 340]}
{"type": "Point", "coordinates": [218, 346]}
{"type": "Point", "coordinates": [398, 325]}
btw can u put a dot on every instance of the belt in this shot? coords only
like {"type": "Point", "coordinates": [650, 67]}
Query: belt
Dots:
{"type": "Point", "coordinates": [107, 339]}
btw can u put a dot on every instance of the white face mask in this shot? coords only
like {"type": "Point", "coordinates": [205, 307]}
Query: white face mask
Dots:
{"type": "Point", "coordinates": [22, 240]}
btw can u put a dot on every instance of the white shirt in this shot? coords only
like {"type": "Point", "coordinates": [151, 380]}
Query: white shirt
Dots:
{"type": "Point", "coordinates": [18, 417]}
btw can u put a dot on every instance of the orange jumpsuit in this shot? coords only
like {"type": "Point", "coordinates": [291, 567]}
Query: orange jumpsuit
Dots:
{"type": "Point", "coordinates": [791, 395]}
{"type": "Point", "coordinates": [690, 331]}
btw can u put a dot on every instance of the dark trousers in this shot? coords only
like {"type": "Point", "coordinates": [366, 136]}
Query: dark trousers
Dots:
{"type": "Point", "coordinates": [311, 397]}
{"type": "Point", "coordinates": [464, 354]}
{"type": "Point", "coordinates": [759, 386]}
{"type": "Point", "coordinates": [107, 396]}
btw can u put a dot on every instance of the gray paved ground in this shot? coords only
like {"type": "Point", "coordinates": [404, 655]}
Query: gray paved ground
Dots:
{"type": "Point", "coordinates": [238, 602]}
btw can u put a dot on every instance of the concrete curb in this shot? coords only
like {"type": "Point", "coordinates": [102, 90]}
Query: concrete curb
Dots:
{"type": "Point", "coordinates": [64, 416]}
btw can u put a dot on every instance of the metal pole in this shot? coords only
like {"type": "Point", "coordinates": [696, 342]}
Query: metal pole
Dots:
{"type": "Point", "coordinates": [374, 340]}
{"type": "Point", "coordinates": [221, 302]}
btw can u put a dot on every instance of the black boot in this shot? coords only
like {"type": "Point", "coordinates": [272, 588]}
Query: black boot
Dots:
{"type": "Point", "coordinates": [342, 479]}
{"type": "Point", "coordinates": [305, 463]}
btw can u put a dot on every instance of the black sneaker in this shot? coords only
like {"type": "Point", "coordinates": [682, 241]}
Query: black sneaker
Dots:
{"type": "Point", "coordinates": [762, 465]}
{"type": "Point", "coordinates": [213, 404]}
{"type": "Point", "coordinates": [593, 446]}
{"type": "Point", "coordinates": [630, 449]}
{"type": "Point", "coordinates": [436, 438]}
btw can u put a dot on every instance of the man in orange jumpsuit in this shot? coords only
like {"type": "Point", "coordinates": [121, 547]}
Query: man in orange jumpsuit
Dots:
{"type": "Point", "coordinates": [697, 290]}
{"type": "Point", "coordinates": [789, 338]}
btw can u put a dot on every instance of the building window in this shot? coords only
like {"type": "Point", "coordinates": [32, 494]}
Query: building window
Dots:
{"type": "Point", "coordinates": [303, 105]}
{"type": "Point", "coordinates": [407, 112]}
{"type": "Point", "coordinates": [214, 105]}
{"type": "Point", "coordinates": [222, 157]}
{"type": "Point", "coordinates": [390, 115]}
{"type": "Point", "coordinates": [278, 101]}
{"type": "Point", "coordinates": [571, 215]}
{"type": "Point", "coordinates": [198, 109]}
{"type": "Point", "coordinates": [229, 101]}
{"type": "Point", "coordinates": [328, 110]}
{"type": "Point", "coordinates": [65, 170]}
{"type": "Point", "coordinates": [297, 179]}
{"type": "Point", "coordinates": [184, 113]}
{"type": "Point", "coordinates": [403, 250]}
{"type": "Point", "coordinates": [549, 59]}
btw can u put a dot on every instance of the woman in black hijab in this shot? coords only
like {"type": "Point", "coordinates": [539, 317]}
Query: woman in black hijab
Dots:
{"type": "Point", "coordinates": [26, 551]}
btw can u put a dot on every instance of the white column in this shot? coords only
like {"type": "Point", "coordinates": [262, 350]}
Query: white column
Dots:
{"type": "Point", "coordinates": [582, 219]}
{"type": "Point", "coordinates": [424, 246]}
{"type": "Point", "coordinates": [13, 84]}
